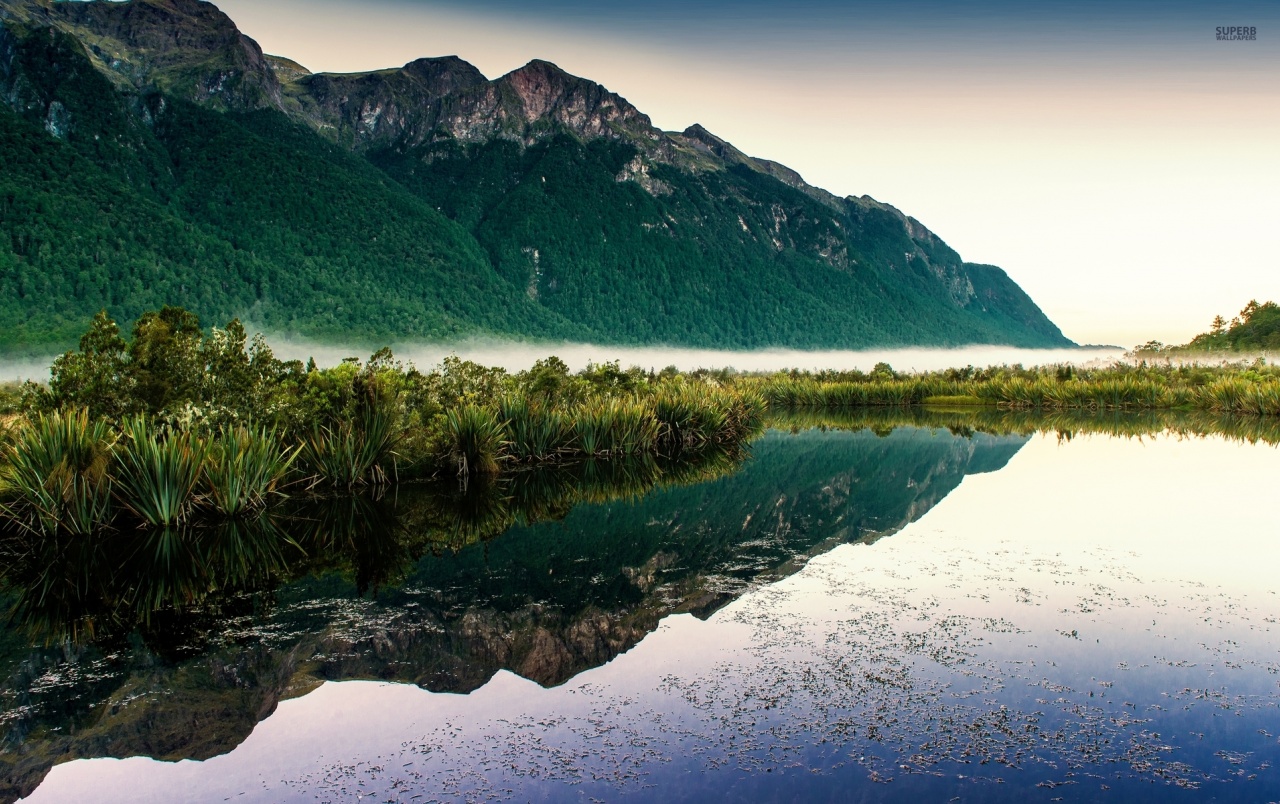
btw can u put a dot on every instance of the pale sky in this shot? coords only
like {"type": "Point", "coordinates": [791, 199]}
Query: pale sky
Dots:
{"type": "Point", "coordinates": [1114, 158]}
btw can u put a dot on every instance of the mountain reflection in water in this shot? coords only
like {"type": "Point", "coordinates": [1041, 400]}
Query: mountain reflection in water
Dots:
{"type": "Point", "coordinates": [175, 645]}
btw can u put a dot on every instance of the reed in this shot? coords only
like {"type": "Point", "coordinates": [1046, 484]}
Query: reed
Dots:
{"type": "Point", "coordinates": [158, 471]}
{"type": "Point", "coordinates": [56, 474]}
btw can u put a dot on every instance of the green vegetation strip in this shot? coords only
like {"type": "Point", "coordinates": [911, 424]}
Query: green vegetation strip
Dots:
{"type": "Point", "coordinates": [176, 426]}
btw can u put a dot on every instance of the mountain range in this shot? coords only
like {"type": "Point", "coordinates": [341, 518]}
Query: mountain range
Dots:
{"type": "Point", "coordinates": [153, 154]}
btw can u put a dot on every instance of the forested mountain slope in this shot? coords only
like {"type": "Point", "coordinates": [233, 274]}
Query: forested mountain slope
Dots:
{"type": "Point", "coordinates": [153, 154]}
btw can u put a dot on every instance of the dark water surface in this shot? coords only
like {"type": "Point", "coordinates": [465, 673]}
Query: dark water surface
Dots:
{"type": "Point", "coordinates": [915, 614]}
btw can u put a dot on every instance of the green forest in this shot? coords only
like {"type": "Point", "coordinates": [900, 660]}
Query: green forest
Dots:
{"type": "Point", "coordinates": [244, 214]}
{"type": "Point", "coordinates": [1257, 327]}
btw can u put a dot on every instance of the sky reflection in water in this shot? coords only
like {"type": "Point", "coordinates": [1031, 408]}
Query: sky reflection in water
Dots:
{"type": "Point", "coordinates": [1096, 620]}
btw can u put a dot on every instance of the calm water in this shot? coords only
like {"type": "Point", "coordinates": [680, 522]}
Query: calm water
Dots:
{"type": "Point", "coordinates": [898, 614]}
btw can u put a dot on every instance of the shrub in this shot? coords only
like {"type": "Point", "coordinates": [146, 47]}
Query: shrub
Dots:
{"type": "Point", "coordinates": [245, 467]}
{"type": "Point", "coordinates": [56, 474]}
{"type": "Point", "coordinates": [476, 440]}
{"type": "Point", "coordinates": [158, 471]}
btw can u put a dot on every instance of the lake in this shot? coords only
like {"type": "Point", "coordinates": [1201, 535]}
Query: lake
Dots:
{"type": "Point", "coordinates": [898, 609]}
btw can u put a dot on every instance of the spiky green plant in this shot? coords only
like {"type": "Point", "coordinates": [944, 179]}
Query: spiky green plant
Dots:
{"type": "Point", "coordinates": [586, 434]}
{"type": "Point", "coordinates": [353, 453]}
{"type": "Point", "coordinates": [476, 438]}
{"type": "Point", "coordinates": [691, 417]}
{"type": "Point", "coordinates": [245, 468]}
{"type": "Point", "coordinates": [157, 471]}
{"type": "Point", "coordinates": [615, 427]}
{"type": "Point", "coordinates": [534, 432]}
{"type": "Point", "coordinates": [56, 474]}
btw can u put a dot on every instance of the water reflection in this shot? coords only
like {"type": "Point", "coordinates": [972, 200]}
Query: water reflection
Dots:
{"type": "Point", "coordinates": [179, 649]}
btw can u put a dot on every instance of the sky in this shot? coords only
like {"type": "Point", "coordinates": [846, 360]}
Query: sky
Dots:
{"type": "Point", "coordinates": [1114, 157]}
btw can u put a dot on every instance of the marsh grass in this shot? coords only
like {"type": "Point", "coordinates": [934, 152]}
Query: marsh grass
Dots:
{"type": "Point", "coordinates": [614, 427]}
{"type": "Point", "coordinates": [476, 439]}
{"type": "Point", "coordinates": [1237, 395]}
{"type": "Point", "coordinates": [695, 418]}
{"type": "Point", "coordinates": [1236, 390]}
{"type": "Point", "coordinates": [534, 432]}
{"type": "Point", "coordinates": [353, 452]}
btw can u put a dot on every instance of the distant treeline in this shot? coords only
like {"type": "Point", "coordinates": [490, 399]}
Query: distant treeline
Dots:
{"type": "Point", "coordinates": [1255, 329]}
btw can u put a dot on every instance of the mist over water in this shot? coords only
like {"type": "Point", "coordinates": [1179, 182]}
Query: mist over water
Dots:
{"type": "Point", "coordinates": [518, 356]}
{"type": "Point", "coordinates": [32, 368]}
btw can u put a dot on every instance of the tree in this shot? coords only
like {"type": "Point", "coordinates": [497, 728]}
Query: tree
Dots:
{"type": "Point", "coordinates": [547, 380]}
{"type": "Point", "coordinates": [883, 371]}
{"type": "Point", "coordinates": [228, 369]}
{"type": "Point", "coordinates": [97, 377]}
{"type": "Point", "coordinates": [165, 358]}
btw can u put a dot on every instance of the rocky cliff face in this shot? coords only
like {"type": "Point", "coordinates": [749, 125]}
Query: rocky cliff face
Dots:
{"type": "Point", "coordinates": [447, 98]}
{"type": "Point", "coordinates": [186, 48]}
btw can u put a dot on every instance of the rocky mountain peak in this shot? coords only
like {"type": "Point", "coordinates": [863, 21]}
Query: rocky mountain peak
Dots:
{"type": "Point", "coordinates": [188, 48]}
{"type": "Point", "coordinates": [704, 140]}
{"type": "Point", "coordinates": [546, 92]}
{"type": "Point", "coordinates": [445, 75]}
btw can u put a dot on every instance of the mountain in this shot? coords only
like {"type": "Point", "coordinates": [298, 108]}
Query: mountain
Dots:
{"type": "Point", "coordinates": [154, 154]}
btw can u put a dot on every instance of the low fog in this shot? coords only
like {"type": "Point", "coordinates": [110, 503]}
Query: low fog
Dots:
{"type": "Point", "coordinates": [519, 355]}
{"type": "Point", "coordinates": [29, 368]}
